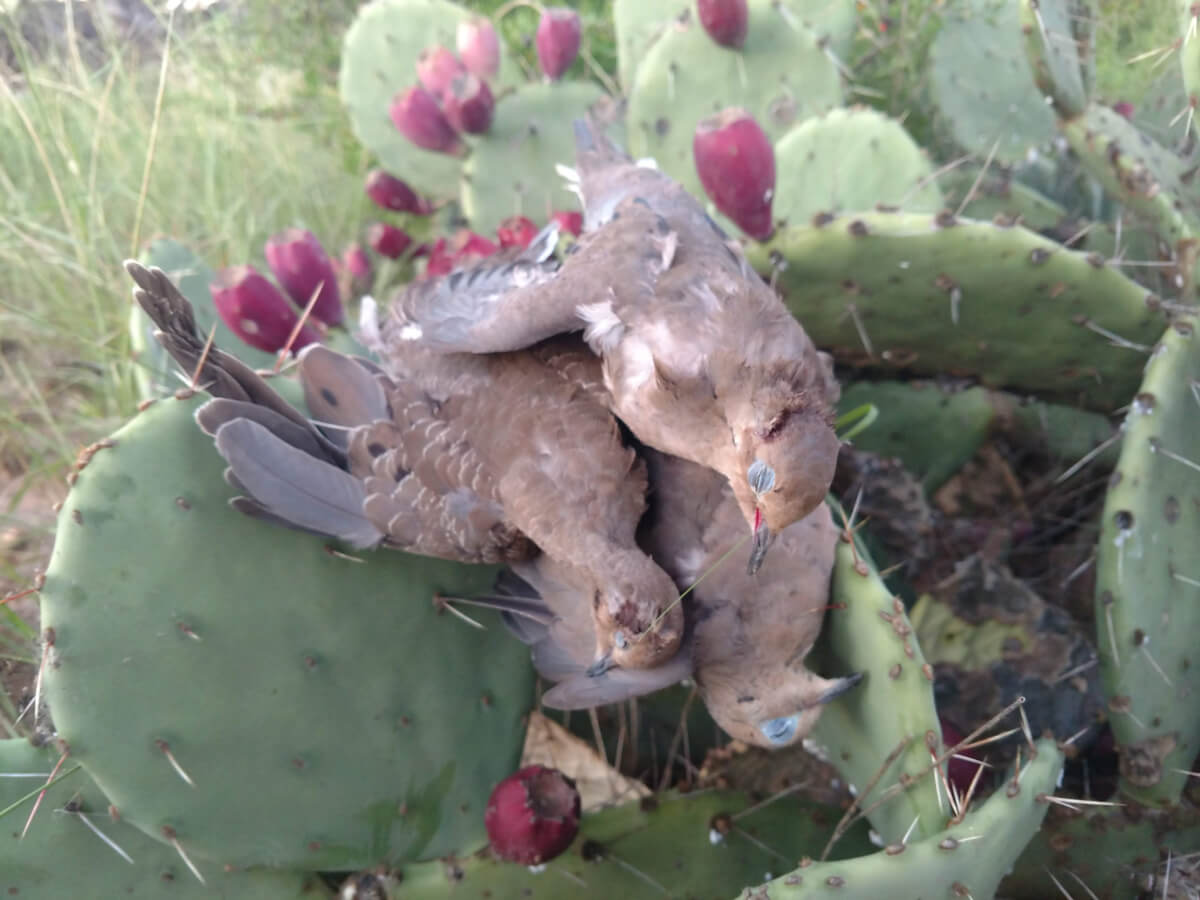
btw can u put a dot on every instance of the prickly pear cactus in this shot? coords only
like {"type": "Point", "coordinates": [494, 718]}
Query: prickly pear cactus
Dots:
{"type": "Point", "coordinates": [511, 169]}
{"type": "Point", "coordinates": [936, 294]}
{"type": "Point", "coordinates": [1147, 576]}
{"type": "Point", "coordinates": [1189, 53]}
{"type": "Point", "coordinates": [75, 848]}
{"type": "Point", "coordinates": [638, 24]}
{"type": "Point", "coordinates": [1057, 54]}
{"type": "Point", "coordinates": [255, 695]}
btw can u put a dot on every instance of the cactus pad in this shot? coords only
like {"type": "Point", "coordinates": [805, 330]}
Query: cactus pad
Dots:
{"type": "Point", "coordinates": [291, 685]}
{"type": "Point", "coordinates": [511, 169]}
{"type": "Point", "coordinates": [1054, 52]}
{"type": "Point", "coordinates": [943, 295]}
{"type": "Point", "coordinates": [849, 160]}
{"type": "Point", "coordinates": [1148, 576]}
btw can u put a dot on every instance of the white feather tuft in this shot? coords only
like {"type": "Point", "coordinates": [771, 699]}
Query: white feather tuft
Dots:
{"type": "Point", "coordinates": [604, 328]}
{"type": "Point", "coordinates": [368, 323]}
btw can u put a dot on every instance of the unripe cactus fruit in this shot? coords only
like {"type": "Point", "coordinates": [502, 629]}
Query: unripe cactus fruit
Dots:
{"type": "Point", "coordinates": [389, 192]}
{"type": "Point", "coordinates": [558, 36]}
{"type": "Point", "coordinates": [469, 104]}
{"type": "Point", "coordinates": [256, 311]}
{"type": "Point", "coordinates": [516, 231]}
{"type": "Point", "coordinates": [437, 67]}
{"type": "Point", "coordinates": [388, 240]}
{"type": "Point", "coordinates": [532, 815]}
{"type": "Point", "coordinates": [736, 164]}
{"type": "Point", "coordinates": [478, 47]}
{"type": "Point", "coordinates": [303, 268]}
{"type": "Point", "coordinates": [726, 21]}
{"type": "Point", "coordinates": [417, 116]}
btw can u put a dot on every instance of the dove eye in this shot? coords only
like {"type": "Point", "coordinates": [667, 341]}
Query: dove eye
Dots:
{"type": "Point", "coordinates": [781, 730]}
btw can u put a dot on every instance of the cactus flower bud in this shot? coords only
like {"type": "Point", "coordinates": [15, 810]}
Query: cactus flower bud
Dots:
{"type": "Point", "coordinates": [303, 268]}
{"type": "Point", "coordinates": [437, 67]}
{"type": "Point", "coordinates": [478, 47]}
{"type": "Point", "coordinates": [532, 816]}
{"type": "Point", "coordinates": [256, 311]}
{"type": "Point", "coordinates": [726, 21]}
{"type": "Point", "coordinates": [516, 231]}
{"type": "Point", "coordinates": [468, 104]}
{"type": "Point", "coordinates": [389, 192]}
{"type": "Point", "coordinates": [736, 165]}
{"type": "Point", "coordinates": [569, 221]}
{"type": "Point", "coordinates": [388, 240]}
{"type": "Point", "coordinates": [417, 116]}
{"type": "Point", "coordinates": [557, 40]}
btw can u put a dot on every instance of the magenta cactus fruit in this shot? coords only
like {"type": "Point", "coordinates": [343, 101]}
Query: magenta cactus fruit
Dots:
{"type": "Point", "coordinates": [726, 21]}
{"type": "Point", "coordinates": [478, 47]}
{"type": "Point", "coordinates": [389, 192]}
{"type": "Point", "coordinates": [303, 268]}
{"type": "Point", "coordinates": [437, 67]}
{"type": "Point", "coordinates": [516, 231]}
{"type": "Point", "coordinates": [569, 221]}
{"type": "Point", "coordinates": [532, 815]}
{"type": "Point", "coordinates": [557, 40]}
{"type": "Point", "coordinates": [736, 165]}
{"type": "Point", "coordinates": [416, 114]}
{"type": "Point", "coordinates": [468, 104]}
{"type": "Point", "coordinates": [388, 240]}
{"type": "Point", "coordinates": [256, 311]}
{"type": "Point", "coordinates": [356, 269]}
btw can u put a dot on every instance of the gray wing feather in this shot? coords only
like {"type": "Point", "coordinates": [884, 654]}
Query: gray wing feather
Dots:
{"type": "Point", "coordinates": [215, 413]}
{"type": "Point", "coordinates": [339, 390]}
{"type": "Point", "coordinates": [583, 691]}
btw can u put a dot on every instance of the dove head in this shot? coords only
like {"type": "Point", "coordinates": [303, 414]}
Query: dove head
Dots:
{"type": "Point", "coordinates": [772, 711]}
{"type": "Point", "coordinates": [639, 621]}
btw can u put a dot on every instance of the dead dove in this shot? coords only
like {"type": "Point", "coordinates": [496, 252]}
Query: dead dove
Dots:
{"type": "Point", "coordinates": [746, 636]}
{"type": "Point", "coordinates": [484, 462]}
{"type": "Point", "coordinates": [701, 359]}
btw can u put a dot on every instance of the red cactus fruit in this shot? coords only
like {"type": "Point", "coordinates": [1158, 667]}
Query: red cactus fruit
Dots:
{"type": "Point", "coordinates": [478, 47]}
{"type": "Point", "coordinates": [557, 40]}
{"type": "Point", "coordinates": [256, 311]}
{"type": "Point", "coordinates": [468, 104]}
{"type": "Point", "coordinates": [1123, 108]}
{"type": "Point", "coordinates": [736, 165]}
{"type": "Point", "coordinates": [388, 240]}
{"type": "Point", "coordinates": [303, 268]}
{"type": "Point", "coordinates": [437, 67]}
{"type": "Point", "coordinates": [390, 192]}
{"type": "Point", "coordinates": [532, 816]}
{"type": "Point", "coordinates": [464, 248]}
{"type": "Point", "coordinates": [569, 221]}
{"type": "Point", "coordinates": [355, 269]}
{"type": "Point", "coordinates": [726, 21]}
{"type": "Point", "coordinates": [415, 112]}
{"type": "Point", "coordinates": [959, 771]}
{"type": "Point", "coordinates": [516, 231]}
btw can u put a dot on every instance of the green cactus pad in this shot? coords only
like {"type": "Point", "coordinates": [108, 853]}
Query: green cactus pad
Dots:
{"type": "Point", "coordinates": [328, 716]}
{"type": "Point", "coordinates": [511, 168]}
{"type": "Point", "coordinates": [1189, 53]}
{"type": "Point", "coordinates": [638, 24]}
{"type": "Point", "coordinates": [379, 58]}
{"type": "Point", "coordinates": [61, 856]}
{"type": "Point", "coordinates": [1023, 302]}
{"type": "Point", "coordinates": [1148, 576]}
{"type": "Point", "coordinates": [666, 845]}
{"type": "Point", "coordinates": [849, 160]}
{"type": "Point", "coordinates": [965, 860]}
{"type": "Point", "coordinates": [872, 635]}
{"type": "Point", "coordinates": [999, 197]}
{"type": "Point", "coordinates": [781, 77]}
{"type": "Point", "coordinates": [981, 81]}
{"type": "Point", "coordinates": [1053, 50]}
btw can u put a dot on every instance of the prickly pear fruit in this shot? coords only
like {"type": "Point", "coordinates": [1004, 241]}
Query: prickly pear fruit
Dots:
{"type": "Point", "coordinates": [558, 36]}
{"type": "Point", "coordinates": [256, 311]}
{"type": "Point", "coordinates": [417, 116]}
{"type": "Point", "coordinates": [959, 769]}
{"type": "Point", "coordinates": [437, 67]}
{"type": "Point", "coordinates": [303, 268]}
{"type": "Point", "coordinates": [736, 164]}
{"type": "Point", "coordinates": [478, 47]}
{"type": "Point", "coordinates": [569, 221]}
{"type": "Point", "coordinates": [469, 104]}
{"type": "Point", "coordinates": [516, 231]}
{"type": "Point", "coordinates": [356, 269]}
{"type": "Point", "coordinates": [464, 247]}
{"type": "Point", "coordinates": [389, 192]}
{"type": "Point", "coordinates": [532, 815]}
{"type": "Point", "coordinates": [388, 240]}
{"type": "Point", "coordinates": [726, 21]}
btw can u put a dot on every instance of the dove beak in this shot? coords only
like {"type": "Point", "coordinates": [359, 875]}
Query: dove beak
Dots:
{"type": "Point", "coordinates": [758, 548]}
{"type": "Point", "coordinates": [600, 666]}
{"type": "Point", "coordinates": [839, 686]}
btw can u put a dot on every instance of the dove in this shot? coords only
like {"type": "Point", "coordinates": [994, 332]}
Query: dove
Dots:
{"type": "Point", "coordinates": [701, 359]}
{"type": "Point", "coordinates": [487, 459]}
{"type": "Point", "coordinates": [746, 636]}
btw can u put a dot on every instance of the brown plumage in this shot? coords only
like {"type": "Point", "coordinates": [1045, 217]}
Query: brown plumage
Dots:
{"type": "Point", "coordinates": [746, 635]}
{"type": "Point", "coordinates": [701, 359]}
{"type": "Point", "coordinates": [483, 459]}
